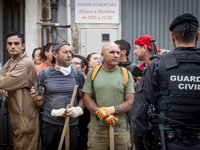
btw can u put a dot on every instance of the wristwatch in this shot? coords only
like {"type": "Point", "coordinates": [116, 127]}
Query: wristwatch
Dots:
{"type": "Point", "coordinates": [116, 110]}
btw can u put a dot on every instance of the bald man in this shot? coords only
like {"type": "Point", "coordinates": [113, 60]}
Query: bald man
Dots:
{"type": "Point", "coordinates": [111, 101]}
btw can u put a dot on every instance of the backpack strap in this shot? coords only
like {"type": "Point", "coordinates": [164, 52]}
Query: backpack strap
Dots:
{"type": "Point", "coordinates": [95, 72]}
{"type": "Point", "coordinates": [74, 70]}
{"type": "Point", "coordinates": [126, 78]}
{"type": "Point", "coordinates": [46, 72]}
{"type": "Point", "coordinates": [125, 74]}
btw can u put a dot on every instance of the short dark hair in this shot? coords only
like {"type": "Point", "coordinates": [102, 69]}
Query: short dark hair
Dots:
{"type": "Point", "coordinates": [84, 62]}
{"type": "Point", "coordinates": [14, 34]}
{"type": "Point", "coordinates": [89, 56]}
{"type": "Point", "coordinates": [33, 54]}
{"type": "Point", "coordinates": [189, 35]}
{"type": "Point", "coordinates": [45, 49]}
{"type": "Point", "coordinates": [124, 45]}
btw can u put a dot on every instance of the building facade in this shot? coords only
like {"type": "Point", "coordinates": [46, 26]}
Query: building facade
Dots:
{"type": "Point", "coordinates": [87, 25]}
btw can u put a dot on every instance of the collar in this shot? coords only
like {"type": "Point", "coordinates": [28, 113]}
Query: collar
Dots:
{"type": "Point", "coordinates": [187, 48]}
{"type": "Point", "coordinates": [123, 64]}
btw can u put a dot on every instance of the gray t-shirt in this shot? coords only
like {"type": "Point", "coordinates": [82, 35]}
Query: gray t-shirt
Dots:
{"type": "Point", "coordinates": [58, 93]}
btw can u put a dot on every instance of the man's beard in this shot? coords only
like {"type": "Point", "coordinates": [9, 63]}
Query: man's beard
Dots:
{"type": "Point", "coordinates": [63, 63]}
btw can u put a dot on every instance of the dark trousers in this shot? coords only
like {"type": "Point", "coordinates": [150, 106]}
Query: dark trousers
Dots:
{"type": "Point", "coordinates": [51, 135]}
{"type": "Point", "coordinates": [83, 123]}
{"type": "Point", "coordinates": [183, 145]}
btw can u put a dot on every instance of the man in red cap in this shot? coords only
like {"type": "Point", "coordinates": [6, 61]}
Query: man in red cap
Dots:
{"type": "Point", "coordinates": [143, 51]}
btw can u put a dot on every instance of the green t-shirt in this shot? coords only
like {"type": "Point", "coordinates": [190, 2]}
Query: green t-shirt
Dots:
{"type": "Point", "coordinates": [109, 90]}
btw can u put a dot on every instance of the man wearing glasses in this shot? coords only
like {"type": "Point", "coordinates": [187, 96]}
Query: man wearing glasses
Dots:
{"type": "Point", "coordinates": [16, 78]}
{"type": "Point", "coordinates": [80, 62]}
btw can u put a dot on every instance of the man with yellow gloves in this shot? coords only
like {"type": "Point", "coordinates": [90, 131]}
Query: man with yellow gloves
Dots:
{"type": "Point", "coordinates": [108, 97]}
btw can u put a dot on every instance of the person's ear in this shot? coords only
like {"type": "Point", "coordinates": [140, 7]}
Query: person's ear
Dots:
{"type": "Point", "coordinates": [198, 34]}
{"type": "Point", "coordinates": [123, 52]}
{"type": "Point", "coordinates": [55, 55]}
{"type": "Point", "coordinates": [145, 48]}
{"type": "Point", "coordinates": [45, 53]}
{"type": "Point", "coordinates": [172, 37]}
{"type": "Point", "coordinates": [102, 55]}
{"type": "Point", "coordinates": [23, 45]}
{"type": "Point", "coordinates": [84, 67]}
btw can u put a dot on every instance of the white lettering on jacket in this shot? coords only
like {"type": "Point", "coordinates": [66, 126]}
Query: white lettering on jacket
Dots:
{"type": "Point", "coordinates": [187, 82]}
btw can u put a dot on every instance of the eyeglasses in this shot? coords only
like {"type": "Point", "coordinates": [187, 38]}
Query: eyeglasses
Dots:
{"type": "Point", "coordinates": [15, 43]}
{"type": "Point", "coordinates": [97, 59]}
{"type": "Point", "coordinates": [75, 63]}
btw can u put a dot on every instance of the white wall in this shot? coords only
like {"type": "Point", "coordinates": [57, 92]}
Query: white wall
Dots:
{"type": "Point", "coordinates": [32, 31]}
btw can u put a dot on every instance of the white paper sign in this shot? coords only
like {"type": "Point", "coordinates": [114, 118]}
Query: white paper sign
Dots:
{"type": "Point", "coordinates": [96, 11]}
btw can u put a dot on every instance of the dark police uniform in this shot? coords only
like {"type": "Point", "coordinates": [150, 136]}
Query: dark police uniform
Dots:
{"type": "Point", "coordinates": [171, 83]}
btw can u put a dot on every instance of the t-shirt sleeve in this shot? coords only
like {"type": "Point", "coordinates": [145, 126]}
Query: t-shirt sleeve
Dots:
{"type": "Point", "coordinates": [130, 85]}
{"type": "Point", "coordinates": [81, 79]}
{"type": "Point", "coordinates": [87, 88]}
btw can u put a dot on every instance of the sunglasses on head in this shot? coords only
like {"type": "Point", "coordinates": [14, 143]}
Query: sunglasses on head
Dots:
{"type": "Point", "coordinates": [97, 59]}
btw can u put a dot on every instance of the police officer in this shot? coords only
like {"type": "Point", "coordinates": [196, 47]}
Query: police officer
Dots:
{"type": "Point", "coordinates": [169, 92]}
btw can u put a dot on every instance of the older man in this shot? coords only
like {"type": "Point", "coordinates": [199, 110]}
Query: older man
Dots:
{"type": "Point", "coordinates": [112, 97]}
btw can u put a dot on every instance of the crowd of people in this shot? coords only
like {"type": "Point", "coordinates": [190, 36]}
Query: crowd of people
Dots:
{"type": "Point", "coordinates": [161, 104]}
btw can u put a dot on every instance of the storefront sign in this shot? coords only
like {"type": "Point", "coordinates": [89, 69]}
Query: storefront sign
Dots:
{"type": "Point", "coordinates": [96, 11]}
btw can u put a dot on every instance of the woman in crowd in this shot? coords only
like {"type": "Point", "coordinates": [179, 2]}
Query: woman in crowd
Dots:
{"type": "Point", "coordinates": [94, 60]}
{"type": "Point", "coordinates": [46, 56]}
{"type": "Point", "coordinates": [36, 56]}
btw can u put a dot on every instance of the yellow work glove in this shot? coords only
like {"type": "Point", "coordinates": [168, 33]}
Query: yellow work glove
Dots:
{"type": "Point", "coordinates": [111, 119]}
{"type": "Point", "coordinates": [103, 112]}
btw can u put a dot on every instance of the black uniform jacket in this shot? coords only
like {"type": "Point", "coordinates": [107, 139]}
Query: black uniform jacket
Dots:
{"type": "Point", "coordinates": [145, 94]}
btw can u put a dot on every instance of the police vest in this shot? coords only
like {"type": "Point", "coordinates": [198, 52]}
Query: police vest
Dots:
{"type": "Point", "coordinates": [179, 84]}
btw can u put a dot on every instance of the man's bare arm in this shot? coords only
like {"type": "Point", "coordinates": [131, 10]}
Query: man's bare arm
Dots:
{"type": "Point", "coordinates": [89, 103]}
{"type": "Point", "coordinates": [80, 95]}
{"type": "Point", "coordinates": [127, 104]}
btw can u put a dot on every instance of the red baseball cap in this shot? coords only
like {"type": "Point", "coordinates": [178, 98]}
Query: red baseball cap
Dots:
{"type": "Point", "coordinates": [145, 40]}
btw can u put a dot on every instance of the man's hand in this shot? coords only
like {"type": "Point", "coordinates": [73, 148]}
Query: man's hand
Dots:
{"type": "Point", "coordinates": [111, 120]}
{"type": "Point", "coordinates": [73, 112]}
{"type": "Point", "coordinates": [103, 112]}
{"type": "Point", "coordinates": [69, 112]}
{"type": "Point", "coordinates": [4, 92]}
{"type": "Point", "coordinates": [38, 100]}
{"type": "Point", "coordinates": [138, 78]}
{"type": "Point", "coordinates": [58, 112]}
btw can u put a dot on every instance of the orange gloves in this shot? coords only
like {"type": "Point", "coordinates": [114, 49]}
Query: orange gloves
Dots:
{"type": "Point", "coordinates": [103, 112]}
{"type": "Point", "coordinates": [111, 119]}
